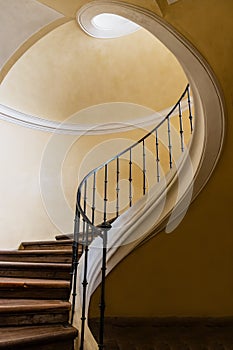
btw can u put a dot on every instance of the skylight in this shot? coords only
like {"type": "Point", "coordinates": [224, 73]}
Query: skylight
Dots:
{"type": "Point", "coordinates": [108, 25]}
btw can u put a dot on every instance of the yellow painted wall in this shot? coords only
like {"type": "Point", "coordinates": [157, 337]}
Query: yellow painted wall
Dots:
{"type": "Point", "coordinates": [190, 271]}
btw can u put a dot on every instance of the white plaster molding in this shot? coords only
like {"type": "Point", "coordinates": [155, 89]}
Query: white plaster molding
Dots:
{"type": "Point", "coordinates": [12, 116]}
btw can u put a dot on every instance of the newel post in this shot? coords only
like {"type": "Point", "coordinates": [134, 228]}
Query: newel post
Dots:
{"type": "Point", "coordinates": [105, 227]}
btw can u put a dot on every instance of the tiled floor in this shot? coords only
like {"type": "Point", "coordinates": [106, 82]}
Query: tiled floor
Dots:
{"type": "Point", "coordinates": [122, 334]}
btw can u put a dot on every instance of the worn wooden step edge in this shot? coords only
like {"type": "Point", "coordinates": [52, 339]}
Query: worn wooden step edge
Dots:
{"type": "Point", "coordinates": [55, 244]}
{"type": "Point", "coordinates": [11, 337]}
{"type": "Point", "coordinates": [14, 282]}
{"type": "Point", "coordinates": [70, 237]}
{"type": "Point", "coordinates": [64, 256]}
{"type": "Point", "coordinates": [34, 265]}
{"type": "Point", "coordinates": [38, 270]}
{"type": "Point", "coordinates": [20, 312]}
{"type": "Point", "coordinates": [32, 305]}
{"type": "Point", "coordinates": [26, 288]}
{"type": "Point", "coordinates": [20, 270]}
{"type": "Point", "coordinates": [67, 236]}
{"type": "Point", "coordinates": [35, 252]}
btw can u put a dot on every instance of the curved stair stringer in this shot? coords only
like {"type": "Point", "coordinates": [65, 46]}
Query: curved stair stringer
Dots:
{"type": "Point", "coordinates": [138, 224]}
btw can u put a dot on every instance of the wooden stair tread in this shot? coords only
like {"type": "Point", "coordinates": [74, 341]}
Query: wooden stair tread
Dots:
{"type": "Point", "coordinates": [28, 312]}
{"type": "Point", "coordinates": [49, 256]}
{"type": "Point", "coordinates": [14, 282]}
{"type": "Point", "coordinates": [65, 241]}
{"type": "Point", "coordinates": [24, 305]}
{"type": "Point", "coordinates": [35, 252]}
{"type": "Point", "coordinates": [34, 288]}
{"type": "Point", "coordinates": [18, 336]}
{"type": "Point", "coordinates": [67, 237]}
{"type": "Point", "coordinates": [29, 269]}
{"type": "Point", "coordinates": [50, 245]}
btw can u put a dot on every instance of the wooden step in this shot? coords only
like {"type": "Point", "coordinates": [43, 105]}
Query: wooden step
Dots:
{"type": "Point", "coordinates": [67, 236]}
{"type": "Point", "coordinates": [47, 245]}
{"type": "Point", "coordinates": [49, 337]}
{"type": "Point", "coordinates": [70, 238]}
{"type": "Point", "coordinates": [50, 256]}
{"type": "Point", "coordinates": [30, 312]}
{"type": "Point", "coordinates": [35, 270]}
{"type": "Point", "coordinates": [29, 288]}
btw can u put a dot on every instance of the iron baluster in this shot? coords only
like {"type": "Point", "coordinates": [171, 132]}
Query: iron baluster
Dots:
{"type": "Point", "coordinates": [93, 199]}
{"type": "Point", "coordinates": [117, 185]}
{"type": "Point", "coordinates": [157, 155]}
{"type": "Point", "coordinates": [169, 142]}
{"type": "Point", "coordinates": [84, 284]}
{"type": "Point", "coordinates": [75, 263]}
{"type": "Point", "coordinates": [102, 304]}
{"type": "Point", "coordinates": [144, 167]}
{"type": "Point", "coordinates": [84, 209]}
{"type": "Point", "coordinates": [130, 177]}
{"type": "Point", "coordinates": [190, 110]}
{"type": "Point", "coordinates": [181, 129]}
{"type": "Point", "coordinates": [105, 191]}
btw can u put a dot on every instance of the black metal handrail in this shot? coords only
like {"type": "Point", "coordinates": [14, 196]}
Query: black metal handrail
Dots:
{"type": "Point", "coordinates": [94, 171]}
{"type": "Point", "coordinates": [86, 229]}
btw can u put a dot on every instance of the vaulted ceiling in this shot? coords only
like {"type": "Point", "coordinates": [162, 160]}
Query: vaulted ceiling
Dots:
{"type": "Point", "coordinates": [51, 69]}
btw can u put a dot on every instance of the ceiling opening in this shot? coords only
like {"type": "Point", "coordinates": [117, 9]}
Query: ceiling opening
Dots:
{"type": "Point", "coordinates": [106, 25]}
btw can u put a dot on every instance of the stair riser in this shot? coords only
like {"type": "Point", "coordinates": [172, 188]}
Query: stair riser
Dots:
{"type": "Point", "coordinates": [56, 345]}
{"type": "Point", "coordinates": [37, 318]}
{"type": "Point", "coordinates": [61, 345]}
{"type": "Point", "coordinates": [44, 274]}
{"type": "Point", "coordinates": [35, 293]}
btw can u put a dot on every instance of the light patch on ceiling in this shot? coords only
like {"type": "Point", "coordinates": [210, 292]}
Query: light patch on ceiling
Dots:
{"type": "Point", "coordinates": [171, 1]}
{"type": "Point", "coordinates": [105, 25]}
{"type": "Point", "coordinates": [110, 25]}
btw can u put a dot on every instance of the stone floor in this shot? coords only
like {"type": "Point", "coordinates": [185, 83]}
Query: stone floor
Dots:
{"type": "Point", "coordinates": [155, 334]}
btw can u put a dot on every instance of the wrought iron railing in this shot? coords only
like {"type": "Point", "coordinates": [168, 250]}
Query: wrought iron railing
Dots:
{"type": "Point", "coordinates": [100, 198]}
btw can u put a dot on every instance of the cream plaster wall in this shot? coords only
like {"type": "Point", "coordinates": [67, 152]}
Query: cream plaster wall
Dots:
{"type": "Point", "coordinates": [39, 176]}
{"type": "Point", "coordinates": [18, 21]}
{"type": "Point", "coordinates": [25, 214]}
{"type": "Point", "coordinates": [67, 71]}
{"type": "Point", "coordinates": [21, 209]}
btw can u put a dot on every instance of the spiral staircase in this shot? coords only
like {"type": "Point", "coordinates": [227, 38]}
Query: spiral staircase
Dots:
{"type": "Point", "coordinates": [44, 284]}
{"type": "Point", "coordinates": [37, 279]}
